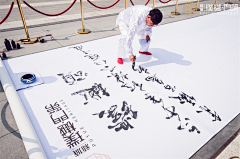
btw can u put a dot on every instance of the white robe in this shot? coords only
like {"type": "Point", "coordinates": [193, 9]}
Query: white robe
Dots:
{"type": "Point", "coordinates": [131, 21]}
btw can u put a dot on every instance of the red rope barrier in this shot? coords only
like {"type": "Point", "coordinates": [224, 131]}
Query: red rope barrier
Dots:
{"type": "Point", "coordinates": [10, 10]}
{"type": "Point", "coordinates": [103, 7]}
{"type": "Point", "coordinates": [164, 2]}
{"type": "Point", "coordinates": [145, 3]}
{"type": "Point", "coordinates": [50, 14]}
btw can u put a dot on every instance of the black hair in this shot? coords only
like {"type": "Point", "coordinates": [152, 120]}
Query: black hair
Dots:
{"type": "Point", "coordinates": [156, 16]}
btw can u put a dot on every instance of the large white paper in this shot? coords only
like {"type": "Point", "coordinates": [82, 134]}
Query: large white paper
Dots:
{"type": "Point", "coordinates": [173, 101]}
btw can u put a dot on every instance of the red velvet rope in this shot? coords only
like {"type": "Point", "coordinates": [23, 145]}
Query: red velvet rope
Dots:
{"type": "Point", "coordinates": [103, 7]}
{"type": "Point", "coordinates": [50, 14]}
{"type": "Point", "coordinates": [164, 2]}
{"type": "Point", "coordinates": [10, 10]}
{"type": "Point", "coordinates": [145, 3]}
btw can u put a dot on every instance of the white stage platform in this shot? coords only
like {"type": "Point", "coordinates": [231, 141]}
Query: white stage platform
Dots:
{"type": "Point", "coordinates": [169, 106]}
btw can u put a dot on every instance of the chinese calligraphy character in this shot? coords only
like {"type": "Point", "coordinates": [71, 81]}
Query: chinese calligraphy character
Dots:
{"type": "Point", "coordinates": [183, 97]}
{"type": "Point", "coordinates": [71, 79]}
{"type": "Point", "coordinates": [95, 92]}
{"type": "Point", "coordinates": [214, 114]}
{"type": "Point", "coordinates": [121, 118]}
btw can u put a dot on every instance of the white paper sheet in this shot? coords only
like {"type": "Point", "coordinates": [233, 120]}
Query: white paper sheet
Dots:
{"type": "Point", "coordinates": [188, 93]}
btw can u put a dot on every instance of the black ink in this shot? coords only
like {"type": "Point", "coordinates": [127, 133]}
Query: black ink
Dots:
{"type": "Point", "coordinates": [102, 62]}
{"type": "Point", "coordinates": [80, 74]}
{"type": "Point", "coordinates": [140, 69]}
{"type": "Point", "coordinates": [193, 129]}
{"type": "Point", "coordinates": [73, 139]}
{"type": "Point", "coordinates": [152, 98]}
{"type": "Point", "coordinates": [53, 108]}
{"type": "Point", "coordinates": [213, 114]}
{"type": "Point", "coordinates": [106, 68]}
{"type": "Point", "coordinates": [121, 118]}
{"type": "Point", "coordinates": [79, 48]}
{"type": "Point", "coordinates": [61, 119]}
{"type": "Point", "coordinates": [171, 111]}
{"type": "Point", "coordinates": [119, 77]}
{"type": "Point", "coordinates": [81, 150]}
{"type": "Point", "coordinates": [66, 128]}
{"type": "Point", "coordinates": [170, 87]}
{"type": "Point", "coordinates": [94, 92]}
{"type": "Point", "coordinates": [154, 79]}
{"type": "Point", "coordinates": [71, 79]}
{"type": "Point", "coordinates": [138, 85]}
{"type": "Point", "coordinates": [183, 97]}
{"type": "Point", "coordinates": [182, 126]}
{"type": "Point", "coordinates": [122, 125]}
{"type": "Point", "coordinates": [93, 57]}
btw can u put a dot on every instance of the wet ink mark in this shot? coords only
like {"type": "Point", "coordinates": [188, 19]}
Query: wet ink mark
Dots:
{"type": "Point", "coordinates": [140, 69]}
{"type": "Point", "coordinates": [119, 77]}
{"type": "Point", "coordinates": [171, 112]}
{"type": "Point", "coordinates": [212, 113]}
{"type": "Point", "coordinates": [73, 78]}
{"type": "Point", "coordinates": [183, 97]}
{"type": "Point", "coordinates": [152, 98]}
{"type": "Point", "coordinates": [102, 62]}
{"type": "Point", "coordinates": [123, 79]}
{"type": "Point", "coordinates": [106, 68]}
{"type": "Point", "coordinates": [94, 92]}
{"type": "Point", "coordinates": [120, 117]}
{"type": "Point", "coordinates": [159, 81]}
{"type": "Point", "coordinates": [93, 57]}
{"type": "Point", "coordinates": [137, 85]}
{"type": "Point", "coordinates": [193, 128]}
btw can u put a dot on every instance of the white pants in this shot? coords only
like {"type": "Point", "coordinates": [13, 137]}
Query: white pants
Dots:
{"type": "Point", "coordinates": [144, 45]}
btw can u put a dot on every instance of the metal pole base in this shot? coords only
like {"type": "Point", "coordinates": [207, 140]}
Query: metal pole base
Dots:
{"type": "Point", "coordinates": [83, 31]}
{"type": "Point", "coordinates": [29, 41]}
{"type": "Point", "coordinates": [175, 13]}
{"type": "Point", "coordinates": [229, 2]}
{"type": "Point", "coordinates": [196, 9]}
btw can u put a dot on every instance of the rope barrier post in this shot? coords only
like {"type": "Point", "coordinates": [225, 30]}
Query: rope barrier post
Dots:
{"type": "Point", "coordinates": [83, 30]}
{"type": "Point", "coordinates": [175, 12]}
{"type": "Point", "coordinates": [196, 9]}
{"type": "Point", "coordinates": [229, 2]}
{"type": "Point", "coordinates": [153, 4]}
{"type": "Point", "coordinates": [215, 3]}
{"type": "Point", "coordinates": [28, 41]}
{"type": "Point", "coordinates": [125, 4]}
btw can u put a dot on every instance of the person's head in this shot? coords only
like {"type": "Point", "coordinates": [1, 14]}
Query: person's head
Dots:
{"type": "Point", "coordinates": [154, 17]}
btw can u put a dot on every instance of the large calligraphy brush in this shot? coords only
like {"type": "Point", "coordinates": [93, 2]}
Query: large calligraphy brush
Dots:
{"type": "Point", "coordinates": [133, 64]}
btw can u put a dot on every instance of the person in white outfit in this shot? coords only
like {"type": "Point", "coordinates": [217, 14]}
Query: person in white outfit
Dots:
{"type": "Point", "coordinates": [136, 19]}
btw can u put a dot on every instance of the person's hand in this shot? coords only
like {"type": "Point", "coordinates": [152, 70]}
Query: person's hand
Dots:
{"type": "Point", "coordinates": [132, 58]}
{"type": "Point", "coordinates": [148, 38]}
